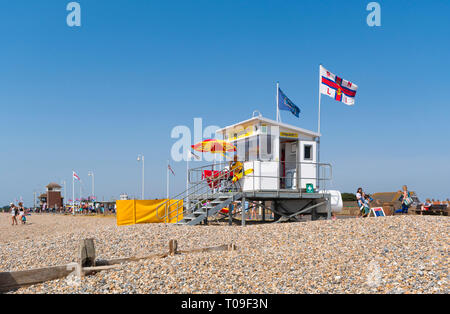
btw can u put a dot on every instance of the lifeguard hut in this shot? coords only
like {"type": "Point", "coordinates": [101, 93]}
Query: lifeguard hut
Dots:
{"type": "Point", "coordinates": [280, 164]}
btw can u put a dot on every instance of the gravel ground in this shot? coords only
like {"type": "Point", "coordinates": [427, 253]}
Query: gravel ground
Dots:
{"type": "Point", "coordinates": [401, 254]}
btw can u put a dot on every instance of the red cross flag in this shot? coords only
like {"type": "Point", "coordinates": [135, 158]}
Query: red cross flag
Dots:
{"type": "Point", "coordinates": [336, 87]}
{"type": "Point", "coordinates": [171, 170]}
{"type": "Point", "coordinates": [75, 176]}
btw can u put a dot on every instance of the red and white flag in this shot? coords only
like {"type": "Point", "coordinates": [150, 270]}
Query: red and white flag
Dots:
{"type": "Point", "coordinates": [337, 88]}
{"type": "Point", "coordinates": [75, 176]}
{"type": "Point", "coordinates": [170, 168]}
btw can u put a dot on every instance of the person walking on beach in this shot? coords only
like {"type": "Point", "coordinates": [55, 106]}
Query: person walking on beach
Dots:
{"type": "Point", "coordinates": [19, 208]}
{"type": "Point", "coordinates": [406, 200]}
{"type": "Point", "coordinates": [360, 198]}
{"type": "Point", "coordinates": [20, 212]}
{"type": "Point", "coordinates": [13, 214]}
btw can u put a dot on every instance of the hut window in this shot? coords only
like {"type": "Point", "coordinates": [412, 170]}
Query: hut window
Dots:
{"type": "Point", "coordinates": [308, 152]}
{"type": "Point", "coordinates": [252, 148]}
{"type": "Point", "coordinates": [265, 147]}
{"type": "Point", "coordinates": [240, 146]}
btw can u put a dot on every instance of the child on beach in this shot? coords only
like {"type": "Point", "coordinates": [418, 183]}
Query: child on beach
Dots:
{"type": "Point", "coordinates": [365, 208]}
{"type": "Point", "coordinates": [363, 200]}
{"type": "Point", "coordinates": [24, 218]}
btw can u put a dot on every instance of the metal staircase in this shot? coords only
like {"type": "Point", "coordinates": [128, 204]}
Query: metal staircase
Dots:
{"type": "Point", "coordinates": [209, 208]}
{"type": "Point", "coordinates": [202, 199]}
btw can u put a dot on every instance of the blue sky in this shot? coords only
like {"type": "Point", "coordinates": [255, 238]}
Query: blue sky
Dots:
{"type": "Point", "coordinates": [93, 98]}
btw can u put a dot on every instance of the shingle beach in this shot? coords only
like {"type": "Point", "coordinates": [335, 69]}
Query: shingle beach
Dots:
{"type": "Point", "coordinates": [400, 254]}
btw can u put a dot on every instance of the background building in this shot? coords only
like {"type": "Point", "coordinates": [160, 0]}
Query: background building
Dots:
{"type": "Point", "coordinates": [52, 197]}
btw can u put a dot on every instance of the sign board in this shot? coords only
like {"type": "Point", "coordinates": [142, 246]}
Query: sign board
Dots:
{"type": "Point", "coordinates": [309, 188]}
{"type": "Point", "coordinates": [288, 134]}
{"type": "Point", "coordinates": [377, 212]}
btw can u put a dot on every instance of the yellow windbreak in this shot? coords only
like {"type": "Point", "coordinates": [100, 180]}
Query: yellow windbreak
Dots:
{"type": "Point", "coordinates": [125, 211]}
{"type": "Point", "coordinates": [141, 212]}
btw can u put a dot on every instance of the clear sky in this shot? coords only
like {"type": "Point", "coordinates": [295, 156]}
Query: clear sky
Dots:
{"type": "Point", "coordinates": [94, 97]}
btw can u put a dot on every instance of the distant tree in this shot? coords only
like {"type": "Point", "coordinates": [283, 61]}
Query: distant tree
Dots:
{"type": "Point", "coordinates": [348, 197]}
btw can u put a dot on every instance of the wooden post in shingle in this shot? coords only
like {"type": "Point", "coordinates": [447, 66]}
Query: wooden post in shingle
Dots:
{"type": "Point", "coordinates": [173, 247]}
{"type": "Point", "coordinates": [86, 253]}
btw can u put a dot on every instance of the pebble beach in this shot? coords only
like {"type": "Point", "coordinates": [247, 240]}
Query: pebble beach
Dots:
{"type": "Point", "coordinates": [400, 254]}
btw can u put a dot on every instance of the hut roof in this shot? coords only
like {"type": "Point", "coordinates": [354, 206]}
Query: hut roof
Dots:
{"type": "Point", "coordinates": [53, 185]}
{"type": "Point", "coordinates": [270, 122]}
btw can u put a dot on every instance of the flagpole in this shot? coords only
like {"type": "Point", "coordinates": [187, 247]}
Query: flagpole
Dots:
{"type": "Point", "coordinates": [65, 199]}
{"type": "Point", "coordinates": [143, 177]}
{"type": "Point", "coordinates": [73, 193]}
{"type": "Point", "coordinates": [187, 171]}
{"type": "Point", "coordinates": [320, 97]}
{"type": "Point", "coordinates": [168, 178]}
{"type": "Point", "coordinates": [187, 178]}
{"type": "Point", "coordinates": [318, 130]}
{"type": "Point", "coordinates": [167, 194]}
{"type": "Point", "coordinates": [278, 99]}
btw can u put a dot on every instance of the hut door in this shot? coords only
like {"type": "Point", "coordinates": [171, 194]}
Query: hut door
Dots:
{"type": "Point", "coordinates": [308, 160]}
{"type": "Point", "coordinates": [283, 166]}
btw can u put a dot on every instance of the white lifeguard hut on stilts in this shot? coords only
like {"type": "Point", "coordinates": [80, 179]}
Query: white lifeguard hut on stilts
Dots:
{"type": "Point", "coordinates": [279, 165]}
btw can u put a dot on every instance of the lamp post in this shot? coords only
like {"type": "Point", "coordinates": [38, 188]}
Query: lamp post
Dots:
{"type": "Point", "coordinates": [91, 174]}
{"type": "Point", "coordinates": [141, 158]}
{"type": "Point", "coordinates": [64, 184]}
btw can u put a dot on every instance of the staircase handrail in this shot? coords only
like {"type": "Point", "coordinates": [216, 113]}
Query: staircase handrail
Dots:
{"type": "Point", "coordinates": [200, 196]}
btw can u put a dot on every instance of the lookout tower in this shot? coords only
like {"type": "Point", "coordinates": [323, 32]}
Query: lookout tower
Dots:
{"type": "Point", "coordinates": [53, 196]}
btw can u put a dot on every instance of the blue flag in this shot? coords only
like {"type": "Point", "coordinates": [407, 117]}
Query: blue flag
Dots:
{"type": "Point", "coordinates": [284, 103]}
